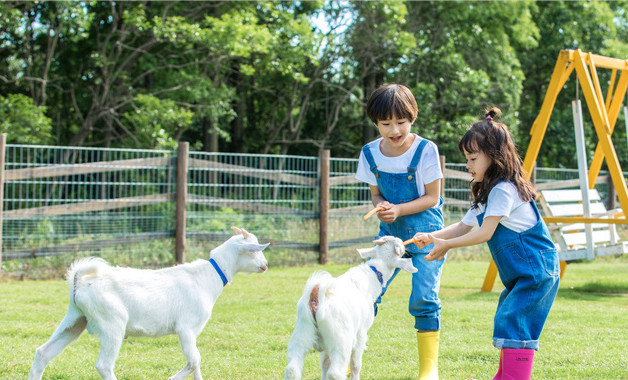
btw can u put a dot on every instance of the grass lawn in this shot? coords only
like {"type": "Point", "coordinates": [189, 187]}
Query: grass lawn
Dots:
{"type": "Point", "coordinates": [585, 337]}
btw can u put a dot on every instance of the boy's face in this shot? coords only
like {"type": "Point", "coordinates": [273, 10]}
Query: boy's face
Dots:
{"type": "Point", "coordinates": [395, 132]}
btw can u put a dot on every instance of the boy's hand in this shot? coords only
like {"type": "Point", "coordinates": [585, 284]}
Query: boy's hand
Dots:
{"type": "Point", "coordinates": [438, 252]}
{"type": "Point", "coordinates": [422, 239]}
{"type": "Point", "coordinates": [388, 213]}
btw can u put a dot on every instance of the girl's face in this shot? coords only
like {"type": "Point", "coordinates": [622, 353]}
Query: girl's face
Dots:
{"type": "Point", "coordinates": [396, 133]}
{"type": "Point", "coordinates": [477, 164]}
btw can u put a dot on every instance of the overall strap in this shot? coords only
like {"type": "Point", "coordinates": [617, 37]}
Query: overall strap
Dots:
{"type": "Point", "coordinates": [369, 158]}
{"type": "Point", "coordinates": [414, 163]}
{"type": "Point", "coordinates": [536, 209]}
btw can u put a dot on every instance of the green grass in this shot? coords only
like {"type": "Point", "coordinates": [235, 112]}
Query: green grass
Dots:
{"type": "Point", "coordinates": [585, 336]}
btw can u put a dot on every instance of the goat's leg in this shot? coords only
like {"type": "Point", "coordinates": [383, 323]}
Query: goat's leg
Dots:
{"type": "Point", "coordinates": [187, 340]}
{"type": "Point", "coordinates": [68, 331]}
{"type": "Point", "coordinates": [111, 338]}
{"type": "Point", "coordinates": [339, 362]}
{"type": "Point", "coordinates": [356, 355]}
{"type": "Point", "coordinates": [325, 363]}
{"type": "Point", "coordinates": [301, 342]}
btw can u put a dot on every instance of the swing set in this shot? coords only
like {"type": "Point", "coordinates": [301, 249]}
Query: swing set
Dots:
{"type": "Point", "coordinates": [604, 112]}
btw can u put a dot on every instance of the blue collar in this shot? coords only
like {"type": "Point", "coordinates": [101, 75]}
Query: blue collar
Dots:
{"type": "Point", "coordinates": [379, 275]}
{"type": "Point", "coordinates": [220, 273]}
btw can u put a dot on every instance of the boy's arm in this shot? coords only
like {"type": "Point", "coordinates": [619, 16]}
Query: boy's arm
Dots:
{"type": "Point", "coordinates": [376, 195]}
{"type": "Point", "coordinates": [428, 200]}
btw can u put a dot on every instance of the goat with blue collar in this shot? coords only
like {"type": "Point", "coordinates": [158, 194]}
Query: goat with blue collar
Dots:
{"type": "Point", "coordinates": [115, 302]}
{"type": "Point", "coordinates": [334, 314]}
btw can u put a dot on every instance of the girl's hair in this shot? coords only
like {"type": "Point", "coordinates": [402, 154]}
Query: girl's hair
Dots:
{"type": "Point", "coordinates": [392, 100]}
{"type": "Point", "coordinates": [493, 139]}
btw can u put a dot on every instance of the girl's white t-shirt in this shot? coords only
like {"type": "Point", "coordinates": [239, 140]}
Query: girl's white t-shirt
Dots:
{"type": "Point", "coordinates": [503, 200]}
{"type": "Point", "coordinates": [427, 171]}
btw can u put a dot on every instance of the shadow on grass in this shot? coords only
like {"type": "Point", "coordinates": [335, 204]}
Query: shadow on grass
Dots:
{"type": "Point", "coordinates": [594, 290]}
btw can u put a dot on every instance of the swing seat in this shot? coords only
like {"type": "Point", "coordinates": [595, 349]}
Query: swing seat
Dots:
{"type": "Point", "coordinates": [571, 239]}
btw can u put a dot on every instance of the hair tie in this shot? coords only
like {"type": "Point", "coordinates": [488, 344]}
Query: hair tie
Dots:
{"type": "Point", "coordinates": [489, 117]}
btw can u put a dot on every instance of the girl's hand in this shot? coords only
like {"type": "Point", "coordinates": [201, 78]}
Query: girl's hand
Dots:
{"type": "Point", "coordinates": [422, 239]}
{"type": "Point", "coordinates": [388, 213]}
{"type": "Point", "coordinates": [440, 249]}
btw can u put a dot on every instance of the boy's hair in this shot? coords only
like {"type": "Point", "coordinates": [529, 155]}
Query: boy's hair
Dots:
{"type": "Point", "coordinates": [392, 100]}
{"type": "Point", "coordinates": [493, 139]}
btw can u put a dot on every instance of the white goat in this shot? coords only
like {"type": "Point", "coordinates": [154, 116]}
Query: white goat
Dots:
{"type": "Point", "coordinates": [114, 302]}
{"type": "Point", "coordinates": [334, 314]}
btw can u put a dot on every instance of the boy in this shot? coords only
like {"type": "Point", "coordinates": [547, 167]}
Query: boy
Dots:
{"type": "Point", "coordinates": [403, 171]}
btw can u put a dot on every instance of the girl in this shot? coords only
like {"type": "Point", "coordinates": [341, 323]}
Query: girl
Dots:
{"type": "Point", "coordinates": [520, 244]}
{"type": "Point", "coordinates": [403, 171]}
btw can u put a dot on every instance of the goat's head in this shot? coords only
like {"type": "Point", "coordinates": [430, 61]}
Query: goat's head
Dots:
{"type": "Point", "coordinates": [389, 250]}
{"type": "Point", "coordinates": [250, 257]}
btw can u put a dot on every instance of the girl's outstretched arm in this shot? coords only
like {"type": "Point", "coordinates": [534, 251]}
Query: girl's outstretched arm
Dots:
{"type": "Point", "coordinates": [452, 231]}
{"type": "Point", "coordinates": [481, 235]}
{"type": "Point", "coordinates": [421, 239]}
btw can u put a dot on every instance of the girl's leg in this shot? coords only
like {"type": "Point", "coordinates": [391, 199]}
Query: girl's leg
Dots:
{"type": "Point", "coordinates": [517, 364]}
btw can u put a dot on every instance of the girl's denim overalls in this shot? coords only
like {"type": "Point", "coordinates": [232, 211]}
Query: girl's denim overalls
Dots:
{"type": "Point", "coordinates": [398, 188]}
{"type": "Point", "coordinates": [528, 266]}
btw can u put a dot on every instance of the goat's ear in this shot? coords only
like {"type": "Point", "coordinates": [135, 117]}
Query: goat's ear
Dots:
{"type": "Point", "coordinates": [399, 250]}
{"type": "Point", "coordinates": [365, 253]}
{"type": "Point", "coordinates": [379, 241]}
{"type": "Point", "coordinates": [253, 247]}
{"type": "Point", "coordinates": [236, 230]}
{"type": "Point", "coordinates": [406, 264]}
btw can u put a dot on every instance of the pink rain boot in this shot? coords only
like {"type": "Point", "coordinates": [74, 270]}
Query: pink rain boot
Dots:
{"type": "Point", "coordinates": [516, 364]}
{"type": "Point", "coordinates": [498, 375]}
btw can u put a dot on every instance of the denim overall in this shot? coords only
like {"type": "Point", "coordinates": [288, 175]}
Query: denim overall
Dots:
{"type": "Point", "coordinates": [398, 188]}
{"type": "Point", "coordinates": [528, 266]}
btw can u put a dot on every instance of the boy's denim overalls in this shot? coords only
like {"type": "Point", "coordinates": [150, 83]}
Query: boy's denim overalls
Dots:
{"type": "Point", "coordinates": [529, 269]}
{"type": "Point", "coordinates": [398, 188]}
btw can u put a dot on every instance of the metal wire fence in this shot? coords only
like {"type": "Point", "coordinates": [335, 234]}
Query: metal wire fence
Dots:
{"type": "Point", "coordinates": [59, 199]}
{"type": "Point", "coordinates": [120, 202]}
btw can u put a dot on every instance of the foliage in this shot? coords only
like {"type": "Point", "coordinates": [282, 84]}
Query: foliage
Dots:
{"type": "Point", "coordinates": [23, 121]}
{"type": "Point", "coordinates": [293, 77]}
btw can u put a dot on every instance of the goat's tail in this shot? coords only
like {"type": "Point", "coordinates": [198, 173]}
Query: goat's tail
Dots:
{"type": "Point", "coordinates": [305, 334]}
{"type": "Point", "coordinates": [319, 277]}
{"type": "Point", "coordinates": [80, 269]}
{"type": "Point", "coordinates": [315, 285]}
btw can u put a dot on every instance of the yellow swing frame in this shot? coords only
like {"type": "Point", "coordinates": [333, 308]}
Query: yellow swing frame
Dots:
{"type": "Point", "coordinates": [604, 115]}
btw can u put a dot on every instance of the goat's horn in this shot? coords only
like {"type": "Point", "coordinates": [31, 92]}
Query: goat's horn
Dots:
{"type": "Point", "coordinates": [245, 233]}
{"type": "Point", "coordinates": [236, 230]}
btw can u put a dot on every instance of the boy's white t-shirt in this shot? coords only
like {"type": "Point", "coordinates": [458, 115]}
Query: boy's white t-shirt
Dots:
{"type": "Point", "coordinates": [427, 171]}
{"type": "Point", "coordinates": [503, 200]}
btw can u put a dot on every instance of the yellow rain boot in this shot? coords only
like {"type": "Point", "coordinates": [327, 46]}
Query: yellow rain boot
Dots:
{"type": "Point", "coordinates": [428, 354]}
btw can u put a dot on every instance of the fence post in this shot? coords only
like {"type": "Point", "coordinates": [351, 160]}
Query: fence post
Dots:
{"type": "Point", "coordinates": [3, 140]}
{"type": "Point", "coordinates": [181, 200]}
{"type": "Point", "coordinates": [323, 242]}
